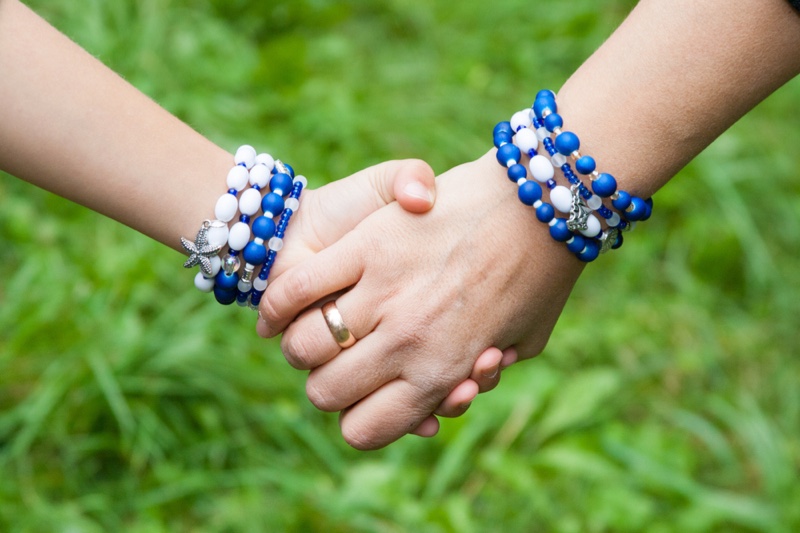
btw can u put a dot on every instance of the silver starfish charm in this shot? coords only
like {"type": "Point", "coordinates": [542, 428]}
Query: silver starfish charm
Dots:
{"type": "Point", "coordinates": [579, 212]}
{"type": "Point", "coordinates": [200, 251]}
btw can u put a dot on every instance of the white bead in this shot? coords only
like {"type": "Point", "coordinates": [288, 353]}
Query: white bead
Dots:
{"type": "Point", "coordinates": [592, 226]}
{"type": "Point", "coordinates": [520, 120]}
{"type": "Point", "coordinates": [239, 237]}
{"type": "Point", "coordinates": [250, 202]}
{"type": "Point", "coordinates": [292, 203]}
{"type": "Point", "coordinates": [218, 234]}
{"type": "Point", "coordinates": [301, 179]}
{"type": "Point", "coordinates": [558, 160]}
{"type": "Point", "coordinates": [226, 207]}
{"type": "Point", "coordinates": [275, 243]}
{"type": "Point", "coordinates": [521, 181]}
{"type": "Point", "coordinates": [259, 175]}
{"type": "Point", "coordinates": [238, 178]}
{"type": "Point", "coordinates": [260, 284]}
{"type": "Point", "coordinates": [245, 154]}
{"type": "Point", "coordinates": [258, 240]}
{"type": "Point", "coordinates": [541, 168]}
{"type": "Point", "coordinates": [216, 264]}
{"type": "Point", "coordinates": [536, 204]}
{"type": "Point", "coordinates": [542, 133]}
{"type": "Point", "coordinates": [244, 286]}
{"type": "Point", "coordinates": [561, 198]}
{"type": "Point", "coordinates": [526, 140]}
{"type": "Point", "coordinates": [202, 283]}
{"type": "Point", "coordinates": [614, 220]}
{"type": "Point", "coordinates": [594, 202]}
{"type": "Point", "coordinates": [266, 160]}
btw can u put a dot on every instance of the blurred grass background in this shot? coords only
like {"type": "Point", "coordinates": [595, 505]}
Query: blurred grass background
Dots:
{"type": "Point", "coordinates": [667, 400]}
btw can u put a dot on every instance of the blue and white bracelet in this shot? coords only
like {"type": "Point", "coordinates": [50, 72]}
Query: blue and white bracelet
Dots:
{"type": "Point", "coordinates": [230, 278]}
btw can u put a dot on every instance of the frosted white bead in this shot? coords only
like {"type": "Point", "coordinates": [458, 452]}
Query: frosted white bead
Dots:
{"type": "Point", "coordinates": [301, 179]}
{"type": "Point", "coordinates": [238, 178]}
{"type": "Point", "coordinates": [260, 284]}
{"type": "Point", "coordinates": [613, 220]}
{"type": "Point", "coordinates": [594, 202]}
{"type": "Point", "coordinates": [558, 160]}
{"type": "Point", "coordinates": [521, 181]}
{"type": "Point", "coordinates": [541, 168]}
{"type": "Point", "coordinates": [216, 264]}
{"type": "Point", "coordinates": [292, 203]}
{"type": "Point", "coordinates": [266, 160]}
{"type": "Point", "coordinates": [245, 154]}
{"type": "Point", "coordinates": [520, 119]}
{"type": "Point", "coordinates": [592, 226]}
{"type": "Point", "coordinates": [226, 207]}
{"type": "Point", "coordinates": [536, 204]}
{"type": "Point", "coordinates": [239, 237]}
{"type": "Point", "coordinates": [259, 175]}
{"type": "Point", "coordinates": [250, 202]}
{"type": "Point", "coordinates": [561, 198]}
{"type": "Point", "coordinates": [526, 140]}
{"type": "Point", "coordinates": [542, 133]}
{"type": "Point", "coordinates": [258, 240]}
{"type": "Point", "coordinates": [218, 235]}
{"type": "Point", "coordinates": [244, 286]}
{"type": "Point", "coordinates": [275, 243]}
{"type": "Point", "coordinates": [202, 283]}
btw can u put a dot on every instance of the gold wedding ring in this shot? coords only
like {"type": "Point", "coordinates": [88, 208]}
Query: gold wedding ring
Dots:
{"type": "Point", "coordinates": [340, 333]}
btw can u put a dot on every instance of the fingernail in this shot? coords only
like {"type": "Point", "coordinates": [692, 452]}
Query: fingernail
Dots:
{"type": "Point", "coordinates": [490, 373]}
{"type": "Point", "coordinates": [417, 190]}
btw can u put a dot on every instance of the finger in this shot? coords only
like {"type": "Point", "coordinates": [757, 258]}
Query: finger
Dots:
{"type": "Point", "coordinates": [510, 356]}
{"type": "Point", "coordinates": [331, 270]}
{"type": "Point", "coordinates": [459, 399]}
{"type": "Point", "coordinates": [486, 370]}
{"type": "Point", "coordinates": [414, 186]}
{"type": "Point", "coordinates": [428, 428]}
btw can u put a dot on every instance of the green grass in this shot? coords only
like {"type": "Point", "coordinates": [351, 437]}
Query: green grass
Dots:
{"type": "Point", "coordinates": [667, 399]}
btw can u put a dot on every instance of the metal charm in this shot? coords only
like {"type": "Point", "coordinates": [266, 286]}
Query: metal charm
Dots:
{"type": "Point", "coordinates": [579, 212]}
{"type": "Point", "coordinates": [200, 251]}
{"type": "Point", "coordinates": [608, 239]}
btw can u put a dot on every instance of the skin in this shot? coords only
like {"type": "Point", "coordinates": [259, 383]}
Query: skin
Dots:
{"type": "Point", "coordinates": [72, 126]}
{"type": "Point", "coordinates": [425, 294]}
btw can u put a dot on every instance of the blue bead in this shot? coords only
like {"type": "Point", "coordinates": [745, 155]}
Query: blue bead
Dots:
{"type": "Point", "coordinates": [223, 296]}
{"type": "Point", "coordinates": [605, 185]}
{"type": "Point", "coordinates": [605, 212]}
{"type": "Point", "coordinates": [585, 165]}
{"type": "Point", "coordinates": [503, 127]}
{"type": "Point", "coordinates": [649, 203]}
{"type": "Point", "coordinates": [241, 297]}
{"type": "Point", "coordinates": [544, 102]}
{"type": "Point", "coordinates": [515, 172]}
{"type": "Point", "coordinates": [567, 142]}
{"type": "Point", "coordinates": [576, 244]}
{"type": "Point", "coordinates": [618, 241]}
{"type": "Point", "coordinates": [281, 184]}
{"type": "Point", "coordinates": [255, 297]}
{"type": "Point", "coordinates": [245, 219]}
{"type": "Point", "coordinates": [546, 93]}
{"type": "Point", "coordinates": [508, 152]}
{"type": "Point", "coordinates": [590, 252]}
{"type": "Point", "coordinates": [584, 192]}
{"type": "Point", "coordinates": [545, 213]}
{"type": "Point", "coordinates": [529, 192]}
{"type": "Point", "coordinates": [559, 231]}
{"type": "Point", "coordinates": [254, 253]}
{"type": "Point", "coordinates": [637, 210]}
{"type": "Point", "coordinates": [225, 281]}
{"type": "Point", "coordinates": [263, 227]}
{"type": "Point", "coordinates": [553, 121]}
{"type": "Point", "coordinates": [502, 138]}
{"type": "Point", "coordinates": [290, 169]}
{"type": "Point", "coordinates": [272, 203]}
{"type": "Point", "coordinates": [233, 191]}
{"type": "Point", "coordinates": [622, 203]}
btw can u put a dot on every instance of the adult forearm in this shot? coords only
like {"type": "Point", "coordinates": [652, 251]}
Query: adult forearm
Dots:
{"type": "Point", "coordinates": [672, 78]}
{"type": "Point", "coordinates": [72, 126]}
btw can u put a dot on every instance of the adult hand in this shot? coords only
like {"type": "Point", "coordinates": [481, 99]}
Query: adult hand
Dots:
{"type": "Point", "coordinates": [427, 293]}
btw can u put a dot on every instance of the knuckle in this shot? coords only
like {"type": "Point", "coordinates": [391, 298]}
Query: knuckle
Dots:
{"type": "Point", "coordinates": [321, 396]}
{"type": "Point", "coordinates": [297, 352]}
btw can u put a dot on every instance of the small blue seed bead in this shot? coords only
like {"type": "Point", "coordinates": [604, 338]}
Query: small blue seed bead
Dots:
{"type": "Point", "coordinates": [223, 296]}
{"type": "Point", "coordinates": [529, 192]}
{"type": "Point", "coordinates": [254, 253]}
{"type": "Point", "coordinates": [255, 297]}
{"type": "Point", "coordinates": [281, 183]}
{"type": "Point", "coordinates": [576, 244]}
{"type": "Point", "coordinates": [515, 172]}
{"type": "Point", "coordinates": [585, 165]}
{"type": "Point", "coordinates": [233, 191]}
{"type": "Point", "coordinates": [503, 127]}
{"type": "Point", "coordinates": [502, 138]}
{"type": "Point", "coordinates": [559, 231]}
{"type": "Point", "coordinates": [544, 102]}
{"type": "Point", "coordinates": [584, 192]}
{"type": "Point", "coordinates": [553, 121]}
{"type": "Point", "coordinates": [567, 142]}
{"type": "Point", "coordinates": [263, 227]}
{"type": "Point", "coordinates": [241, 297]}
{"type": "Point", "coordinates": [272, 203]}
{"type": "Point", "coordinates": [226, 281]}
{"type": "Point", "coordinates": [551, 184]}
{"type": "Point", "coordinates": [245, 219]}
{"type": "Point", "coordinates": [605, 212]}
{"type": "Point", "coordinates": [622, 203]}
{"type": "Point", "coordinates": [605, 185]}
{"type": "Point", "coordinates": [590, 252]}
{"type": "Point", "coordinates": [637, 210]}
{"type": "Point", "coordinates": [508, 152]}
{"type": "Point", "coordinates": [545, 213]}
